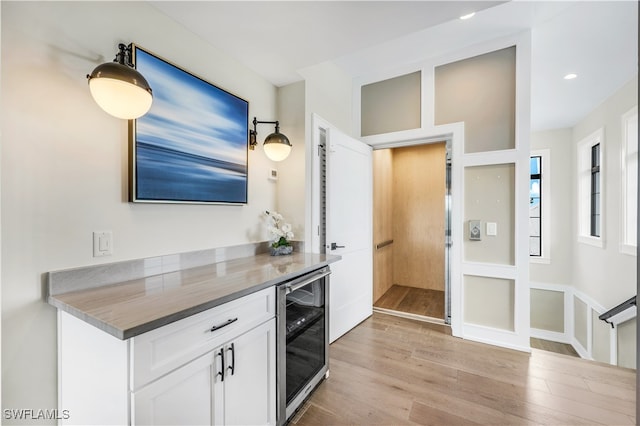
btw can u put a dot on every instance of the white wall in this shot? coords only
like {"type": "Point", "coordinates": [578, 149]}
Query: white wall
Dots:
{"type": "Point", "coordinates": [64, 167]}
{"type": "Point", "coordinates": [559, 268]}
{"type": "Point", "coordinates": [328, 94]}
{"type": "Point", "coordinates": [291, 186]}
{"type": "Point", "coordinates": [605, 274]}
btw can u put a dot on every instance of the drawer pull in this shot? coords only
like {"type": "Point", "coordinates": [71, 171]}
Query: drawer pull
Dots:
{"type": "Point", "coordinates": [229, 321]}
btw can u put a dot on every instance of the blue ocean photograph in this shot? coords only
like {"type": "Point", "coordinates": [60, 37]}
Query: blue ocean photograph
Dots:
{"type": "Point", "coordinates": [191, 146]}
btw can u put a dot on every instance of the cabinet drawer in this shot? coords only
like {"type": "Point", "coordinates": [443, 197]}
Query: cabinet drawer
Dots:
{"type": "Point", "coordinates": [155, 353]}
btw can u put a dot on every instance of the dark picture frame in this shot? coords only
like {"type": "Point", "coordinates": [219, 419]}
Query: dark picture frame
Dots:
{"type": "Point", "coordinates": [192, 145]}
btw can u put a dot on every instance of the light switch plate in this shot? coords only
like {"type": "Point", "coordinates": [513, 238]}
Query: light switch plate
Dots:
{"type": "Point", "coordinates": [492, 228]}
{"type": "Point", "coordinates": [102, 243]}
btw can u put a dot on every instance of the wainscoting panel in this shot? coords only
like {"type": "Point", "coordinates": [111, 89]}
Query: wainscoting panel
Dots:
{"type": "Point", "coordinates": [591, 337]}
{"type": "Point", "coordinates": [547, 310]}
{"type": "Point", "coordinates": [626, 345]}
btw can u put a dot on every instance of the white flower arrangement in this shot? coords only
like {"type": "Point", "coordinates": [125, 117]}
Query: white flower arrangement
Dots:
{"type": "Point", "coordinates": [280, 231]}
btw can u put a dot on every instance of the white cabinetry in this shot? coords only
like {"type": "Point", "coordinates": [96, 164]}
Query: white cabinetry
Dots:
{"type": "Point", "coordinates": [214, 367]}
{"type": "Point", "coordinates": [183, 397]}
{"type": "Point", "coordinates": [234, 385]}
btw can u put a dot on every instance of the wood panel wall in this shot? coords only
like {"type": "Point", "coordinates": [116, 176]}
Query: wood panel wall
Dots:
{"type": "Point", "coordinates": [419, 216]}
{"type": "Point", "coordinates": [382, 221]}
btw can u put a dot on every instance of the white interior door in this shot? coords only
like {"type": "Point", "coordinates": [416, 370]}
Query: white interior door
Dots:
{"type": "Point", "coordinates": [349, 204]}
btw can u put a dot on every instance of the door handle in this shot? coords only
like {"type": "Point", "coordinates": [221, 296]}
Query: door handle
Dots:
{"type": "Point", "coordinates": [221, 372]}
{"type": "Point", "coordinates": [232, 367]}
{"type": "Point", "coordinates": [335, 246]}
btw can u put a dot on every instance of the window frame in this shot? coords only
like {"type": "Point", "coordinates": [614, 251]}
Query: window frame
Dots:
{"type": "Point", "coordinates": [545, 200]}
{"type": "Point", "coordinates": [595, 199]}
{"type": "Point", "coordinates": [585, 172]}
{"type": "Point", "coordinates": [626, 246]}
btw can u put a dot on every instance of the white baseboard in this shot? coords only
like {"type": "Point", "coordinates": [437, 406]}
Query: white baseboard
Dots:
{"type": "Point", "coordinates": [552, 336]}
{"type": "Point", "coordinates": [496, 337]}
{"type": "Point", "coordinates": [581, 350]}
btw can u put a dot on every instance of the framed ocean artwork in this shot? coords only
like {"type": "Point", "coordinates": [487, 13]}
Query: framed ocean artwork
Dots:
{"type": "Point", "coordinates": [191, 147]}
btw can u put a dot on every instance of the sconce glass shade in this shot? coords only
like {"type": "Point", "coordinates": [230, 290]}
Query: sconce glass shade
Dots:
{"type": "Point", "coordinates": [120, 90]}
{"type": "Point", "coordinates": [277, 146]}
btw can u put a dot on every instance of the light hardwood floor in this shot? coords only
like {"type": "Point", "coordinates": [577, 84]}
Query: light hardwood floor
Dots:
{"type": "Point", "coordinates": [392, 371]}
{"type": "Point", "coordinates": [418, 301]}
{"type": "Point", "coordinates": [559, 348]}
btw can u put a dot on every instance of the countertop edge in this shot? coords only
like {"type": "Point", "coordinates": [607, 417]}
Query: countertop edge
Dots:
{"type": "Point", "coordinates": [65, 307]}
{"type": "Point", "coordinates": [125, 334]}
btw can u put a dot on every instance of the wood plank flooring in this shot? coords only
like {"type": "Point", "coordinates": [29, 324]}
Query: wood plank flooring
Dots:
{"type": "Point", "coordinates": [418, 301]}
{"type": "Point", "coordinates": [393, 371]}
{"type": "Point", "coordinates": [559, 348]}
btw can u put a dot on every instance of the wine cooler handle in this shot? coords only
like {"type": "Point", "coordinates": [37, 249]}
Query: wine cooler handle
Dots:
{"type": "Point", "coordinates": [293, 287]}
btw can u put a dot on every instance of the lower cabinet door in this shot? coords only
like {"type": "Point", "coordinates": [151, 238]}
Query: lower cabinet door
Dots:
{"type": "Point", "coordinates": [250, 383]}
{"type": "Point", "coordinates": [183, 397]}
{"type": "Point", "coordinates": [197, 394]}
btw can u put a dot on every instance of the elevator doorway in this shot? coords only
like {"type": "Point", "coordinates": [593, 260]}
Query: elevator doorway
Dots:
{"type": "Point", "coordinates": [412, 234]}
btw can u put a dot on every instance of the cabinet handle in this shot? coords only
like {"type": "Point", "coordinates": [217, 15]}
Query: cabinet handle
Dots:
{"type": "Point", "coordinates": [219, 326]}
{"type": "Point", "coordinates": [232, 367]}
{"type": "Point", "coordinates": [221, 372]}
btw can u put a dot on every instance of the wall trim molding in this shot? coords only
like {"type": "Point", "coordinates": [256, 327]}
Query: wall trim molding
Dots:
{"type": "Point", "coordinates": [568, 337]}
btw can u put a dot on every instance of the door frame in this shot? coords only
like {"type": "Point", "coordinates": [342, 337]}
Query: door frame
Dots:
{"type": "Point", "coordinates": [452, 134]}
{"type": "Point", "coordinates": [312, 234]}
{"type": "Point", "coordinates": [447, 140]}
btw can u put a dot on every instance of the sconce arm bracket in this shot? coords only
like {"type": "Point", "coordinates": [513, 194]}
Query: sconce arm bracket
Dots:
{"type": "Point", "coordinates": [254, 133]}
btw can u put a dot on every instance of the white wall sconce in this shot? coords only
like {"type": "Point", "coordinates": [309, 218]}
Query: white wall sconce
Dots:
{"type": "Point", "coordinates": [276, 146]}
{"type": "Point", "coordinates": [119, 89]}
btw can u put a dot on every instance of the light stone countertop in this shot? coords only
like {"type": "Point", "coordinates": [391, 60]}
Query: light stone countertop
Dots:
{"type": "Point", "coordinates": [133, 307]}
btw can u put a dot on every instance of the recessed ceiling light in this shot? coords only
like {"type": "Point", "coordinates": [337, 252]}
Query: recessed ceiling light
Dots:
{"type": "Point", "coordinates": [570, 76]}
{"type": "Point", "coordinates": [467, 16]}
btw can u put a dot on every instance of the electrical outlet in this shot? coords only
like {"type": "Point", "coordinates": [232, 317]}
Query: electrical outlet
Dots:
{"type": "Point", "coordinates": [102, 243]}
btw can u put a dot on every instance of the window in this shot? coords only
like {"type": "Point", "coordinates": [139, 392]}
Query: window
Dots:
{"type": "Point", "coordinates": [594, 222]}
{"type": "Point", "coordinates": [590, 189]}
{"type": "Point", "coordinates": [629, 208]}
{"type": "Point", "coordinates": [540, 206]}
{"type": "Point", "coordinates": [535, 207]}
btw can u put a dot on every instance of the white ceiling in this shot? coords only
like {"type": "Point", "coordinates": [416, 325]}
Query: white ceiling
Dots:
{"type": "Point", "coordinates": [595, 39]}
